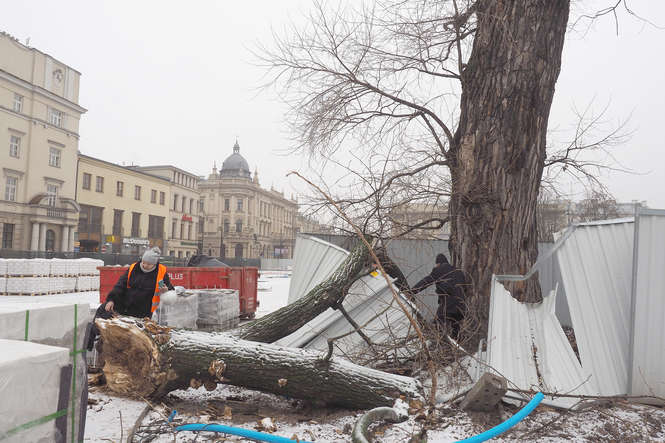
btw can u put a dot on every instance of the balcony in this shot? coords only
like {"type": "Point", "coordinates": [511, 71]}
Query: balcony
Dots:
{"type": "Point", "coordinates": [55, 213]}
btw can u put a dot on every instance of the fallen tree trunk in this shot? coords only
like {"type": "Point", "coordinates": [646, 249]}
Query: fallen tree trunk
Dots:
{"type": "Point", "coordinates": [326, 294]}
{"type": "Point", "coordinates": [147, 360]}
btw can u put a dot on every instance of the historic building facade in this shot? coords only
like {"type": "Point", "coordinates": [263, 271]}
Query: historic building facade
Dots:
{"type": "Point", "coordinates": [242, 219]}
{"type": "Point", "coordinates": [123, 209]}
{"type": "Point", "coordinates": [39, 136]}
{"type": "Point", "coordinates": [183, 226]}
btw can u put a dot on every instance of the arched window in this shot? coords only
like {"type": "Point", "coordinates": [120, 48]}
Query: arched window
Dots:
{"type": "Point", "coordinates": [238, 251]}
{"type": "Point", "coordinates": [50, 240]}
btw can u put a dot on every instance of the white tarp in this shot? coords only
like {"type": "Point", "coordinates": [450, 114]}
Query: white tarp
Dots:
{"type": "Point", "coordinates": [30, 383]}
{"type": "Point", "coordinates": [648, 352]}
{"type": "Point", "coordinates": [527, 346]}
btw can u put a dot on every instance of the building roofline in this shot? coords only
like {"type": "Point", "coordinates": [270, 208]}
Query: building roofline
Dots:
{"type": "Point", "coordinates": [127, 168]}
{"type": "Point", "coordinates": [25, 47]}
{"type": "Point", "coordinates": [169, 167]}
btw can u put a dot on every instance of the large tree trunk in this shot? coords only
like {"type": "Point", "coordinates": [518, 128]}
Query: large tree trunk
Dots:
{"type": "Point", "coordinates": [499, 150]}
{"type": "Point", "coordinates": [144, 359]}
{"type": "Point", "coordinates": [325, 295]}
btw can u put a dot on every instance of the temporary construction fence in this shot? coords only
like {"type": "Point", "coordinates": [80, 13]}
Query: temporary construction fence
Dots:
{"type": "Point", "coordinates": [614, 279]}
{"type": "Point", "coordinates": [369, 302]}
{"type": "Point", "coordinates": [50, 403]}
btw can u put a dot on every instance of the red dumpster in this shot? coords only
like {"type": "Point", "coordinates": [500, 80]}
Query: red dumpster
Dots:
{"type": "Point", "coordinates": [242, 279]}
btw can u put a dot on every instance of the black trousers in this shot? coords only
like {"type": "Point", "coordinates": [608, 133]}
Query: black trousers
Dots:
{"type": "Point", "coordinates": [451, 321]}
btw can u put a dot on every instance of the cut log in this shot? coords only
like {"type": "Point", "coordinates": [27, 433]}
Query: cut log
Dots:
{"type": "Point", "coordinates": [145, 359]}
{"type": "Point", "coordinates": [326, 294]}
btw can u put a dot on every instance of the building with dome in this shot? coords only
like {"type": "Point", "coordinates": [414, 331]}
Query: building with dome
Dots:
{"type": "Point", "coordinates": [242, 219]}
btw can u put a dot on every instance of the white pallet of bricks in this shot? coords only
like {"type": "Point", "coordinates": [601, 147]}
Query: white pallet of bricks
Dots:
{"type": "Point", "coordinates": [42, 277]}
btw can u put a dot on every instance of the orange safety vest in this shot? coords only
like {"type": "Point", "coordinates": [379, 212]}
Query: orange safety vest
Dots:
{"type": "Point", "coordinates": [161, 271]}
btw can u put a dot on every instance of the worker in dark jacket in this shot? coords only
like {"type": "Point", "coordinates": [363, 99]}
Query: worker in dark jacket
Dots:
{"type": "Point", "coordinates": [450, 288]}
{"type": "Point", "coordinates": [138, 290]}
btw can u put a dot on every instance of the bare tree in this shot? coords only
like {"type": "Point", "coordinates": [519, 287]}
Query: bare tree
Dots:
{"type": "Point", "coordinates": [442, 100]}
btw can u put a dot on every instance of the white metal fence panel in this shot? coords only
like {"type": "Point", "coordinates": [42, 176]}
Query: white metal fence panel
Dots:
{"type": "Point", "coordinates": [648, 351]}
{"type": "Point", "coordinates": [596, 269]}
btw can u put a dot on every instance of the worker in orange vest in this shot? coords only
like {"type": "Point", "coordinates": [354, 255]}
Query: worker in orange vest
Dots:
{"type": "Point", "coordinates": [137, 291]}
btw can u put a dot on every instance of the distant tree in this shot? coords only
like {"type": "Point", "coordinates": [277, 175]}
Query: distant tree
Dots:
{"type": "Point", "coordinates": [596, 206]}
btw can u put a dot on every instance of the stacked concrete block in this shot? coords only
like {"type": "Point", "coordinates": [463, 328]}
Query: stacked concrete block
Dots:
{"type": "Point", "coordinates": [219, 309]}
{"type": "Point", "coordinates": [25, 404]}
{"type": "Point", "coordinates": [55, 276]}
{"type": "Point", "coordinates": [51, 324]}
{"type": "Point", "coordinates": [178, 310]}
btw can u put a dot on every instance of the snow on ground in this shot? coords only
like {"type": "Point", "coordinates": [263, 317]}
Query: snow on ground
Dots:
{"type": "Point", "coordinates": [110, 418]}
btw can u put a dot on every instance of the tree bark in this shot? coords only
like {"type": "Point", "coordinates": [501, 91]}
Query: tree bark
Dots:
{"type": "Point", "coordinates": [144, 359]}
{"type": "Point", "coordinates": [325, 295]}
{"type": "Point", "coordinates": [499, 146]}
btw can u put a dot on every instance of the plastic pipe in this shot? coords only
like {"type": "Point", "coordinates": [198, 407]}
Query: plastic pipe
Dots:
{"type": "Point", "coordinates": [512, 421]}
{"type": "Point", "coordinates": [254, 435]}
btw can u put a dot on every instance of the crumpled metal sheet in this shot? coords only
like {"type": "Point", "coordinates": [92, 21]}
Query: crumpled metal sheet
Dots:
{"type": "Point", "coordinates": [370, 304]}
{"type": "Point", "coordinates": [528, 347]}
{"type": "Point", "coordinates": [647, 374]}
{"type": "Point", "coordinates": [314, 261]}
{"type": "Point", "coordinates": [596, 268]}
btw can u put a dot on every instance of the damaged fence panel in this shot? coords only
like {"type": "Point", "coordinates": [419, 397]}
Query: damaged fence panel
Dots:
{"type": "Point", "coordinates": [647, 376]}
{"type": "Point", "coordinates": [596, 269]}
{"type": "Point", "coordinates": [314, 261]}
{"type": "Point", "coordinates": [527, 345]}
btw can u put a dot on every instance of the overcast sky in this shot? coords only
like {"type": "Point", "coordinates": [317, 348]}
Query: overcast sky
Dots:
{"type": "Point", "coordinates": [176, 83]}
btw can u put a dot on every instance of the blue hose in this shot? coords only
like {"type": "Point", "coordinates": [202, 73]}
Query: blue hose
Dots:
{"type": "Point", "coordinates": [254, 435]}
{"type": "Point", "coordinates": [512, 421]}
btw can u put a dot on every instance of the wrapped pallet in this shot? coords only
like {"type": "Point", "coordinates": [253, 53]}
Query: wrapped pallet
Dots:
{"type": "Point", "coordinates": [3, 267]}
{"type": "Point", "coordinates": [219, 309]}
{"type": "Point", "coordinates": [36, 389]}
{"type": "Point", "coordinates": [178, 310]}
{"type": "Point", "coordinates": [53, 324]}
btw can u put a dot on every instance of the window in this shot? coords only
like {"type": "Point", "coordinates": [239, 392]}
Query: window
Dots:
{"type": "Point", "coordinates": [55, 117]}
{"type": "Point", "coordinates": [87, 178]}
{"type": "Point", "coordinates": [173, 228]}
{"type": "Point", "coordinates": [18, 103]}
{"type": "Point", "coordinates": [136, 223]}
{"type": "Point", "coordinates": [239, 205]}
{"type": "Point", "coordinates": [153, 196]}
{"type": "Point", "coordinates": [10, 189]}
{"type": "Point", "coordinates": [238, 251]}
{"type": "Point", "coordinates": [189, 231]}
{"type": "Point", "coordinates": [179, 254]}
{"type": "Point", "coordinates": [155, 226]}
{"type": "Point", "coordinates": [162, 197]}
{"type": "Point", "coordinates": [201, 204]}
{"type": "Point", "coordinates": [137, 193]}
{"type": "Point", "coordinates": [119, 188]}
{"type": "Point", "coordinates": [184, 203]}
{"type": "Point", "coordinates": [14, 146]}
{"type": "Point", "coordinates": [239, 226]}
{"type": "Point", "coordinates": [227, 226]}
{"type": "Point", "coordinates": [54, 157]}
{"type": "Point", "coordinates": [117, 221]}
{"type": "Point", "coordinates": [227, 204]}
{"type": "Point", "coordinates": [182, 230]}
{"type": "Point", "coordinates": [175, 202]}
{"type": "Point", "coordinates": [52, 192]}
{"type": "Point", "coordinates": [99, 184]}
{"type": "Point", "coordinates": [50, 240]}
{"type": "Point", "coordinates": [7, 235]}
{"type": "Point", "coordinates": [191, 205]}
